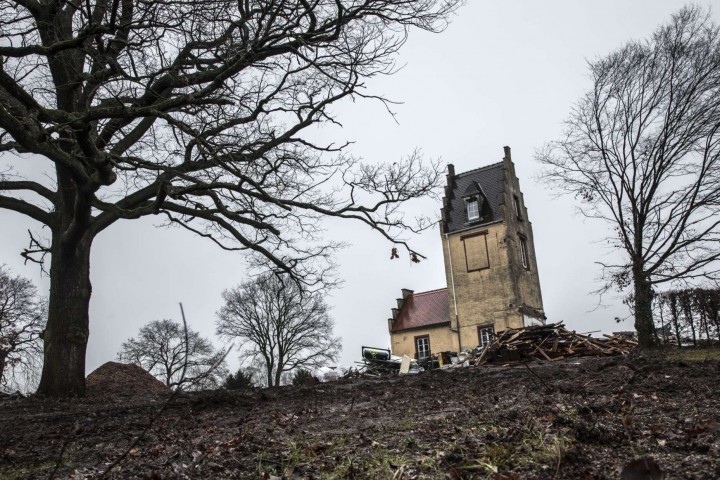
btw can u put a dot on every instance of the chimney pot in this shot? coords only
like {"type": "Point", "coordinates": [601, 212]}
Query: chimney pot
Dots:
{"type": "Point", "coordinates": [507, 153]}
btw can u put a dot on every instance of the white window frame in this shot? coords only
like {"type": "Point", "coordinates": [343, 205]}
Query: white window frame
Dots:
{"type": "Point", "coordinates": [472, 213]}
{"type": "Point", "coordinates": [486, 334]}
{"type": "Point", "coordinates": [423, 352]}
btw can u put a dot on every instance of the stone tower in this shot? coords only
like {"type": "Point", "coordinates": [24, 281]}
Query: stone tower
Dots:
{"type": "Point", "coordinates": [490, 263]}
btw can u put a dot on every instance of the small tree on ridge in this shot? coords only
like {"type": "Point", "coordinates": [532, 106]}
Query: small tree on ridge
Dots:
{"type": "Point", "coordinates": [279, 324]}
{"type": "Point", "coordinates": [179, 360]}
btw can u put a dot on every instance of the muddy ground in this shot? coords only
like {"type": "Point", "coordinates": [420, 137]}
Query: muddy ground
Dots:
{"type": "Point", "coordinates": [575, 419]}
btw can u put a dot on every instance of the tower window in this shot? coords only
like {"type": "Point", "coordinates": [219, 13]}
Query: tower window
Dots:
{"type": "Point", "coordinates": [473, 212]}
{"type": "Point", "coordinates": [524, 253]}
{"type": "Point", "coordinates": [516, 207]}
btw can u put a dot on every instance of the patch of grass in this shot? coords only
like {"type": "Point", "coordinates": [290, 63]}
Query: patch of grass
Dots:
{"type": "Point", "coordinates": [19, 473]}
{"type": "Point", "coordinates": [370, 463]}
{"type": "Point", "coordinates": [692, 354]}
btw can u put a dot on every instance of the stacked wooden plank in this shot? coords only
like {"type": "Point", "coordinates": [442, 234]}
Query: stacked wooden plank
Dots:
{"type": "Point", "coordinates": [551, 342]}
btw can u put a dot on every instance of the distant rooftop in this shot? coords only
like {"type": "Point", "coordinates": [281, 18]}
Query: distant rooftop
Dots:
{"type": "Point", "coordinates": [423, 309]}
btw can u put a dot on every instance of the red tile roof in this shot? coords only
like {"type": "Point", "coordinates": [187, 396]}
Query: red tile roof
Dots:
{"type": "Point", "coordinates": [423, 309]}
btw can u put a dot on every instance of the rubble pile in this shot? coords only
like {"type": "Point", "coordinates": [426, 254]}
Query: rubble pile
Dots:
{"type": "Point", "coordinates": [115, 378]}
{"type": "Point", "coordinates": [552, 342]}
{"type": "Point", "coordinates": [549, 342]}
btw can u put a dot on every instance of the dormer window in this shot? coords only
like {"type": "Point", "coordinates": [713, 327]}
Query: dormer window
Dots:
{"type": "Point", "coordinates": [473, 212]}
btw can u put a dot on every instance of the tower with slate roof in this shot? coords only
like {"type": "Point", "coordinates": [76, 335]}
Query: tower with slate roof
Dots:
{"type": "Point", "coordinates": [490, 263]}
{"type": "Point", "coordinates": [490, 268]}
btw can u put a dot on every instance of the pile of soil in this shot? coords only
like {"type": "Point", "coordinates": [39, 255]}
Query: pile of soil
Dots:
{"type": "Point", "coordinates": [115, 378]}
{"type": "Point", "coordinates": [587, 418]}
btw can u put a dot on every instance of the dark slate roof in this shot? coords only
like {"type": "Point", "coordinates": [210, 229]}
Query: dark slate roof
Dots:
{"type": "Point", "coordinates": [490, 180]}
{"type": "Point", "coordinates": [423, 309]}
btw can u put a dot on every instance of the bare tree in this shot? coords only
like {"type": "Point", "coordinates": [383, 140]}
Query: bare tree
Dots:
{"type": "Point", "coordinates": [194, 111]}
{"type": "Point", "coordinates": [163, 349]}
{"type": "Point", "coordinates": [642, 153]}
{"type": "Point", "coordinates": [22, 319]}
{"type": "Point", "coordinates": [280, 324]}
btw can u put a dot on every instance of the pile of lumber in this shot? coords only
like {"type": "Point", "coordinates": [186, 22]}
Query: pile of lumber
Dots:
{"type": "Point", "coordinates": [551, 342]}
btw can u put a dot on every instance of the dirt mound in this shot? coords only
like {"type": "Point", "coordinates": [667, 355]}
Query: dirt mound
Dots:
{"type": "Point", "coordinates": [115, 378]}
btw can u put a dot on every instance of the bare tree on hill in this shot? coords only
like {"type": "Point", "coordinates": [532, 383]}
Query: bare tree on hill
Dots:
{"type": "Point", "coordinates": [179, 359]}
{"type": "Point", "coordinates": [22, 319]}
{"type": "Point", "coordinates": [280, 325]}
{"type": "Point", "coordinates": [642, 153]}
{"type": "Point", "coordinates": [194, 111]}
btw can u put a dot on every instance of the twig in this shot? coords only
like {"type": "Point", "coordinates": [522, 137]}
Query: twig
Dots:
{"type": "Point", "coordinates": [547, 388]}
{"type": "Point", "coordinates": [66, 443]}
{"type": "Point", "coordinates": [159, 413]}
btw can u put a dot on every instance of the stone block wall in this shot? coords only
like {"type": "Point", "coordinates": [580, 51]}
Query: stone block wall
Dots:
{"type": "Point", "coordinates": [442, 339]}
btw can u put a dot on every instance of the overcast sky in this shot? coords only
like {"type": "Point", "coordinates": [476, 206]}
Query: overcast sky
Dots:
{"type": "Point", "coordinates": [503, 73]}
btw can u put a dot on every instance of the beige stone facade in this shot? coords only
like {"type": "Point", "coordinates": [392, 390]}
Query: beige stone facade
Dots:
{"type": "Point", "coordinates": [490, 264]}
{"type": "Point", "coordinates": [441, 339]}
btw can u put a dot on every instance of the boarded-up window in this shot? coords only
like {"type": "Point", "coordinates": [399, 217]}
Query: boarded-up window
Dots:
{"type": "Point", "coordinates": [476, 252]}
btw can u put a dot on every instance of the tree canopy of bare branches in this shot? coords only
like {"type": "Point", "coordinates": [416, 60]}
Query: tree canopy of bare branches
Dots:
{"type": "Point", "coordinates": [195, 111]}
{"type": "Point", "coordinates": [278, 323]}
{"type": "Point", "coordinates": [180, 360]}
{"type": "Point", "coordinates": [22, 318]}
{"type": "Point", "coordinates": [642, 153]}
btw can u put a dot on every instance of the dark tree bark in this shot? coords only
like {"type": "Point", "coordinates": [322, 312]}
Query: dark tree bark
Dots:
{"type": "Point", "coordinates": [66, 335]}
{"type": "Point", "coordinates": [644, 323]}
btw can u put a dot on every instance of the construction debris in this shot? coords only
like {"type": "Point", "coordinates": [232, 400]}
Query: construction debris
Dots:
{"type": "Point", "coordinates": [379, 361]}
{"type": "Point", "coordinates": [552, 342]}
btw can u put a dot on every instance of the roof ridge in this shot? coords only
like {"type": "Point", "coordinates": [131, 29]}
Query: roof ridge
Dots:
{"type": "Point", "coordinates": [429, 291]}
{"type": "Point", "coordinates": [479, 168]}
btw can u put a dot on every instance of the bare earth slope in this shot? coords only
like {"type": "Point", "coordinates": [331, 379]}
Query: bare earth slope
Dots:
{"type": "Point", "coordinates": [575, 419]}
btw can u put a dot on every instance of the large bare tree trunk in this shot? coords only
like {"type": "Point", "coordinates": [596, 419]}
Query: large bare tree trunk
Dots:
{"type": "Point", "coordinates": [66, 334]}
{"type": "Point", "coordinates": [643, 311]}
